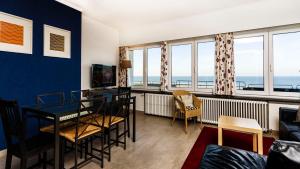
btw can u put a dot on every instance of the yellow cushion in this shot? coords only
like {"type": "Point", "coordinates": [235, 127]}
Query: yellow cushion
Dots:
{"type": "Point", "coordinates": [192, 108]}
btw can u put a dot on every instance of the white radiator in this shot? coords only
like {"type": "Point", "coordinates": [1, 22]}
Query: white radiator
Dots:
{"type": "Point", "coordinates": [163, 105]}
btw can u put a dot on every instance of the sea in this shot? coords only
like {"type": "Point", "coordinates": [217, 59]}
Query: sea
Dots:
{"type": "Point", "coordinates": [291, 82]}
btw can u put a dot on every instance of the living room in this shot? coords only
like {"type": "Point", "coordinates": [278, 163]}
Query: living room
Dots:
{"type": "Point", "coordinates": [149, 84]}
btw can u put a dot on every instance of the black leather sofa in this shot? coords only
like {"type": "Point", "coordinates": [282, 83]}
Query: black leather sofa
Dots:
{"type": "Point", "coordinates": [288, 128]}
{"type": "Point", "coordinates": [282, 155]}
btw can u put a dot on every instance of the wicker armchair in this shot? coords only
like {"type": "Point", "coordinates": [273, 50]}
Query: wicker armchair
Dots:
{"type": "Point", "coordinates": [188, 112]}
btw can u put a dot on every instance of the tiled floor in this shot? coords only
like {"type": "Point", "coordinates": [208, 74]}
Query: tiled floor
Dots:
{"type": "Point", "coordinates": [158, 146]}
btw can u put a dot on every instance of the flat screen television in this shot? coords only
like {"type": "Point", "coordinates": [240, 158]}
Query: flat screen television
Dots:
{"type": "Point", "coordinates": [103, 76]}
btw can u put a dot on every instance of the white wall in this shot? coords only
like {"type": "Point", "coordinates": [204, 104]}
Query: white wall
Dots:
{"type": "Point", "coordinates": [264, 13]}
{"type": "Point", "coordinates": [274, 114]}
{"type": "Point", "coordinates": [139, 101]}
{"type": "Point", "coordinates": [99, 46]}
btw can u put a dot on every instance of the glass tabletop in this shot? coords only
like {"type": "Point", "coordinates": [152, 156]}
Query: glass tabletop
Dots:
{"type": "Point", "coordinates": [67, 108]}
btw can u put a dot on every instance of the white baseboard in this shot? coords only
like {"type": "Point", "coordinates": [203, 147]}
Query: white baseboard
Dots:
{"type": "Point", "coordinates": [3, 153]}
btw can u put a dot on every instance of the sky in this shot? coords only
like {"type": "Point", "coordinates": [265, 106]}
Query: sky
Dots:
{"type": "Point", "coordinates": [248, 54]}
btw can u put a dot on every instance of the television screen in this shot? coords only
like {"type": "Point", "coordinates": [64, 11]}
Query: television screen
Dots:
{"type": "Point", "coordinates": [103, 76]}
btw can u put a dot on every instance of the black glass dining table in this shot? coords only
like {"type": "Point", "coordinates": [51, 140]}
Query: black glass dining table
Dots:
{"type": "Point", "coordinates": [60, 113]}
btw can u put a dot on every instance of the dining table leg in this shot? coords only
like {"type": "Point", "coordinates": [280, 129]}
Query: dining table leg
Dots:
{"type": "Point", "coordinates": [134, 120]}
{"type": "Point", "coordinates": [56, 142]}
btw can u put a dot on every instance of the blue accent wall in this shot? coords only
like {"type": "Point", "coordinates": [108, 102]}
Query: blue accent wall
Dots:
{"type": "Point", "coordinates": [23, 76]}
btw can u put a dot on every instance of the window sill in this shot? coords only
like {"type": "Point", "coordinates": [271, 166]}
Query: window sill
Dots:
{"type": "Point", "coordinates": [270, 99]}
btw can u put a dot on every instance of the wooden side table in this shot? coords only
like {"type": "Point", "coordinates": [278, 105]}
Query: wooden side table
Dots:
{"type": "Point", "coordinates": [243, 125]}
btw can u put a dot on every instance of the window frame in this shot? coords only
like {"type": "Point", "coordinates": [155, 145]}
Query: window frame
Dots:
{"type": "Point", "coordinates": [285, 30]}
{"type": "Point", "coordinates": [202, 90]}
{"type": "Point", "coordinates": [192, 43]}
{"type": "Point", "coordinates": [131, 73]}
{"type": "Point", "coordinates": [265, 62]}
{"type": "Point", "coordinates": [146, 65]}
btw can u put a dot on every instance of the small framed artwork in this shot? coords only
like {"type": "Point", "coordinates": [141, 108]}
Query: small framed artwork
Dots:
{"type": "Point", "coordinates": [15, 34]}
{"type": "Point", "coordinates": [57, 42]}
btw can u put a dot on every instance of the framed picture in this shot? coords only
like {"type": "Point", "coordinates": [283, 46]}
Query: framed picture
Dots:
{"type": "Point", "coordinates": [15, 34]}
{"type": "Point", "coordinates": [57, 42]}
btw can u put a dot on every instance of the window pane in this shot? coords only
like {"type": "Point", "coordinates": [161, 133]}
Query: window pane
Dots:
{"type": "Point", "coordinates": [249, 63]}
{"type": "Point", "coordinates": [136, 72]}
{"type": "Point", "coordinates": [181, 65]}
{"type": "Point", "coordinates": [154, 55]}
{"type": "Point", "coordinates": [286, 55]}
{"type": "Point", "coordinates": [206, 64]}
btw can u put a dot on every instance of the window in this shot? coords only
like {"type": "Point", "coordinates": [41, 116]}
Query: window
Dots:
{"type": "Point", "coordinates": [249, 63]}
{"type": "Point", "coordinates": [136, 77]}
{"type": "Point", "coordinates": [154, 59]}
{"type": "Point", "coordinates": [206, 65]}
{"type": "Point", "coordinates": [181, 65]}
{"type": "Point", "coordinates": [286, 62]}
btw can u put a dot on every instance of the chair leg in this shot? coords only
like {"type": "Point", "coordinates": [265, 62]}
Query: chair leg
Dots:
{"type": "Point", "coordinates": [8, 160]}
{"type": "Point", "coordinates": [117, 134]}
{"type": "Point", "coordinates": [91, 145]}
{"type": "Point", "coordinates": [44, 160]}
{"type": "Point", "coordinates": [185, 124]}
{"type": "Point", "coordinates": [201, 121]}
{"type": "Point", "coordinates": [128, 126]}
{"type": "Point", "coordinates": [23, 163]}
{"type": "Point", "coordinates": [174, 117]}
{"type": "Point", "coordinates": [76, 151]}
{"type": "Point", "coordinates": [102, 151]}
{"type": "Point", "coordinates": [109, 145]}
{"type": "Point", "coordinates": [86, 146]}
{"type": "Point", "coordinates": [125, 135]}
{"type": "Point", "coordinates": [40, 159]}
{"type": "Point", "coordinates": [62, 153]}
{"type": "Point", "coordinates": [81, 150]}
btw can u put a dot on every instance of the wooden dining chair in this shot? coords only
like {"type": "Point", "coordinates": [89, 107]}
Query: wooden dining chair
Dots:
{"type": "Point", "coordinates": [125, 93]}
{"type": "Point", "coordinates": [117, 114]}
{"type": "Point", "coordinates": [18, 143]}
{"type": "Point", "coordinates": [85, 128]}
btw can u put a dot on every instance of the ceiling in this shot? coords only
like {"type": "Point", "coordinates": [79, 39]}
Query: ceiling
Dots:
{"type": "Point", "coordinates": [124, 14]}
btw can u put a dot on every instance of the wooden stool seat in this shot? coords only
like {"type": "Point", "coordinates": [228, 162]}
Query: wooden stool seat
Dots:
{"type": "Point", "coordinates": [114, 120]}
{"type": "Point", "coordinates": [50, 128]}
{"type": "Point", "coordinates": [83, 132]}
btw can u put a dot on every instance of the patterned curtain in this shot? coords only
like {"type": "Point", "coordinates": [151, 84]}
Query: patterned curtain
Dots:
{"type": "Point", "coordinates": [123, 55]}
{"type": "Point", "coordinates": [164, 67]}
{"type": "Point", "coordinates": [224, 82]}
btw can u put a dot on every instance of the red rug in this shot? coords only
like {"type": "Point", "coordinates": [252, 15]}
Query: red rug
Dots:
{"type": "Point", "coordinates": [209, 135]}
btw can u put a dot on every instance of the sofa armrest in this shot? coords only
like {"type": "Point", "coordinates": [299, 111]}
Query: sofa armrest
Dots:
{"type": "Point", "coordinates": [284, 155]}
{"type": "Point", "coordinates": [287, 115]}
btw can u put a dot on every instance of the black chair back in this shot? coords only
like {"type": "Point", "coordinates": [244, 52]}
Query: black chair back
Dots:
{"type": "Point", "coordinates": [51, 99]}
{"type": "Point", "coordinates": [124, 92]}
{"type": "Point", "coordinates": [12, 121]}
{"type": "Point", "coordinates": [118, 108]}
{"type": "Point", "coordinates": [94, 111]}
{"type": "Point", "coordinates": [77, 95]}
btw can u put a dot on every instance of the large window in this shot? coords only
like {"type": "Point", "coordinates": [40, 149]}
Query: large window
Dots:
{"type": "Point", "coordinates": [206, 65]}
{"type": "Point", "coordinates": [181, 66]}
{"type": "Point", "coordinates": [286, 62]}
{"type": "Point", "coordinates": [136, 73]}
{"type": "Point", "coordinates": [267, 63]}
{"type": "Point", "coordinates": [154, 59]}
{"type": "Point", "coordinates": [249, 63]}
